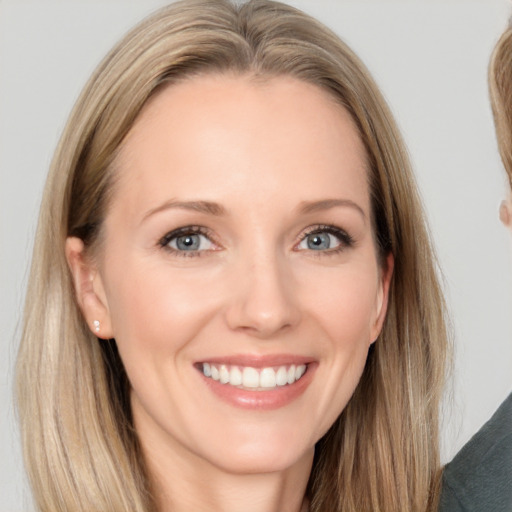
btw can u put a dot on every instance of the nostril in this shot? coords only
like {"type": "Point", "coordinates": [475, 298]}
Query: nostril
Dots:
{"type": "Point", "coordinates": [243, 319]}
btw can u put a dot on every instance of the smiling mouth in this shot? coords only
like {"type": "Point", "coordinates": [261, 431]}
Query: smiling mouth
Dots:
{"type": "Point", "coordinates": [253, 379]}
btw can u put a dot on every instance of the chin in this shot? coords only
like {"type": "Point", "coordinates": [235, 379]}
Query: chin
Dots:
{"type": "Point", "coordinates": [264, 461]}
{"type": "Point", "coordinates": [261, 454]}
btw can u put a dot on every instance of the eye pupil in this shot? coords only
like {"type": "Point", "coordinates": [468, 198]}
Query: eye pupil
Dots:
{"type": "Point", "coordinates": [319, 241]}
{"type": "Point", "coordinates": [188, 242]}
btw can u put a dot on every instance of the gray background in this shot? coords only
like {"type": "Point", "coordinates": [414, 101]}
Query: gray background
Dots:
{"type": "Point", "coordinates": [430, 59]}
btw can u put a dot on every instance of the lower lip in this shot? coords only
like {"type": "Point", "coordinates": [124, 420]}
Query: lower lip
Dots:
{"type": "Point", "coordinates": [261, 400]}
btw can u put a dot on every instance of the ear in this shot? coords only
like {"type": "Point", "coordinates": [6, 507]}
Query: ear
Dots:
{"type": "Point", "coordinates": [90, 293]}
{"type": "Point", "coordinates": [381, 306]}
{"type": "Point", "coordinates": [506, 212]}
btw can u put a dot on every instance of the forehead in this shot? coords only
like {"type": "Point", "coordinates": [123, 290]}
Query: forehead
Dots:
{"type": "Point", "coordinates": [217, 132]}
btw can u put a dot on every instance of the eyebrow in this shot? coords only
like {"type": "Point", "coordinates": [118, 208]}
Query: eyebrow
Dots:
{"type": "Point", "coordinates": [211, 208]}
{"type": "Point", "coordinates": [206, 207]}
{"type": "Point", "coordinates": [326, 204]}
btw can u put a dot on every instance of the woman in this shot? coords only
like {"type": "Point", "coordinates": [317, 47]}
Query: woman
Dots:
{"type": "Point", "coordinates": [233, 302]}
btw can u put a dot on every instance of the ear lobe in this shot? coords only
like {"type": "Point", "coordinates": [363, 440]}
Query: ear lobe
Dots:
{"type": "Point", "coordinates": [506, 212]}
{"type": "Point", "coordinates": [383, 296]}
{"type": "Point", "coordinates": [89, 290]}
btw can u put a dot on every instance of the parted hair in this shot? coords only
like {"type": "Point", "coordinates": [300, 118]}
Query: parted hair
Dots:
{"type": "Point", "coordinates": [500, 88]}
{"type": "Point", "coordinates": [80, 447]}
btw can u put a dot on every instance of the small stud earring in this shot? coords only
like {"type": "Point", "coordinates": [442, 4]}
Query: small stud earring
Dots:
{"type": "Point", "coordinates": [96, 325]}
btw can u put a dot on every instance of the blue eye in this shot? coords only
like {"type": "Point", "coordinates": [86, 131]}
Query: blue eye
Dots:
{"type": "Point", "coordinates": [320, 241]}
{"type": "Point", "coordinates": [325, 239]}
{"type": "Point", "coordinates": [187, 240]}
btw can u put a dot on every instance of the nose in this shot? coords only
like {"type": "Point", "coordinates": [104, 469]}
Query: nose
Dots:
{"type": "Point", "coordinates": [264, 302]}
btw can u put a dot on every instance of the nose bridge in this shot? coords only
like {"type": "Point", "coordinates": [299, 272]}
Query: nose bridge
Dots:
{"type": "Point", "coordinates": [264, 301]}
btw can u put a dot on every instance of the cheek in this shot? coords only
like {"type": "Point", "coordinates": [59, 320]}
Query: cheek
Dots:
{"type": "Point", "coordinates": [344, 309]}
{"type": "Point", "coordinates": [344, 303]}
{"type": "Point", "coordinates": [155, 313]}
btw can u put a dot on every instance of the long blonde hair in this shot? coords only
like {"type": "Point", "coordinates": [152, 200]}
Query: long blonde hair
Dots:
{"type": "Point", "coordinates": [80, 448]}
{"type": "Point", "coordinates": [500, 89]}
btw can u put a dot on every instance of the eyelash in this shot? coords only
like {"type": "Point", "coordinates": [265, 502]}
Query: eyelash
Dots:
{"type": "Point", "coordinates": [346, 241]}
{"type": "Point", "coordinates": [184, 231]}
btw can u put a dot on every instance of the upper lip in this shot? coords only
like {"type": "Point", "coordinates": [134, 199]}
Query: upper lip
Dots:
{"type": "Point", "coordinates": [259, 361]}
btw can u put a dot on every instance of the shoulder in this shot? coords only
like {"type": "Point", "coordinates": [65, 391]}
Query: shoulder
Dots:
{"type": "Point", "coordinates": [479, 478]}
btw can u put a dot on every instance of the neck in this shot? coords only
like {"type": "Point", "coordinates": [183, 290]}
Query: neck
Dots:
{"type": "Point", "coordinates": [183, 485]}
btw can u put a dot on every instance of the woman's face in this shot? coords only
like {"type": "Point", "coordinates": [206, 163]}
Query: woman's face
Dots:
{"type": "Point", "coordinates": [239, 274]}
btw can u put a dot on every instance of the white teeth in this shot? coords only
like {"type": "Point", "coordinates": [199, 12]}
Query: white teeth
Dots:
{"type": "Point", "coordinates": [223, 374]}
{"type": "Point", "coordinates": [291, 374]}
{"type": "Point", "coordinates": [235, 376]}
{"type": "Point", "coordinates": [252, 378]}
{"type": "Point", "coordinates": [282, 376]}
{"type": "Point", "coordinates": [268, 378]}
{"type": "Point", "coordinates": [299, 371]}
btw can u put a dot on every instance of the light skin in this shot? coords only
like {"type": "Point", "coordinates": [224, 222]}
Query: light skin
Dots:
{"type": "Point", "coordinates": [274, 262]}
{"type": "Point", "coordinates": [506, 211]}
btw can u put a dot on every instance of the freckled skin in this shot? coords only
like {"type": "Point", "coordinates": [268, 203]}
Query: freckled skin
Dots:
{"type": "Point", "coordinates": [259, 150]}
